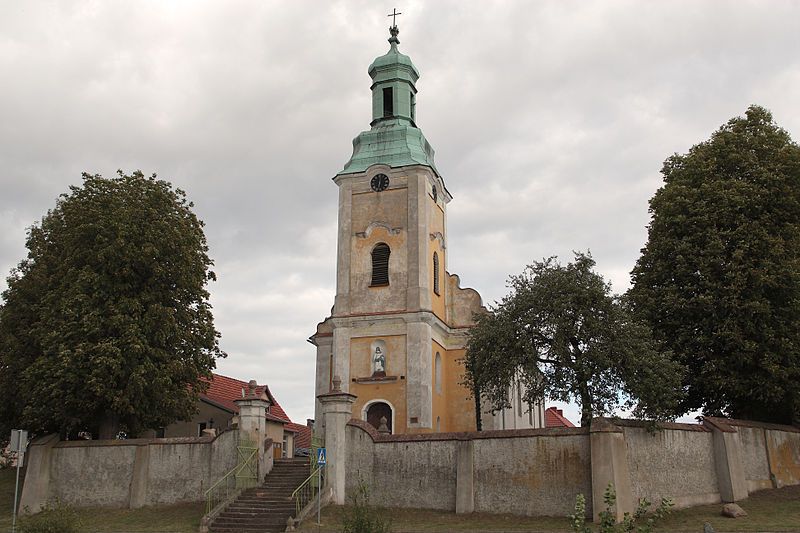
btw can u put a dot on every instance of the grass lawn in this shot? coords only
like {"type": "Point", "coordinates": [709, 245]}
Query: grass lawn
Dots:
{"type": "Point", "coordinates": [767, 510]}
{"type": "Point", "coordinates": [770, 510]}
{"type": "Point", "coordinates": [179, 518]}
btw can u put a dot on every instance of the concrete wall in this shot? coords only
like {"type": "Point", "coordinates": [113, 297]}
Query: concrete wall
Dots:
{"type": "Point", "coordinates": [676, 462]}
{"type": "Point", "coordinates": [126, 473]}
{"type": "Point", "coordinates": [754, 458]}
{"type": "Point", "coordinates": [539, 472]}
{"type": "Point", "coordinates": [527, 472]}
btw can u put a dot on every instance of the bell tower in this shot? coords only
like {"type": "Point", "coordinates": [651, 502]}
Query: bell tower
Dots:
{"type": "Point", "coordinates": [399, 323]}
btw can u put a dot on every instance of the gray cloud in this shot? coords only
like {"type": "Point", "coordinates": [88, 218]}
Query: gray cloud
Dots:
{"type": "Point", "coordinates": [550, 122]}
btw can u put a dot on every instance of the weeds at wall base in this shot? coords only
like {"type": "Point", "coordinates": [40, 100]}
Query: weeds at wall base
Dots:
{"type": "Point", "coordinates": [641, 521]}
{"type": "Point", "coordinates": [54, 518]}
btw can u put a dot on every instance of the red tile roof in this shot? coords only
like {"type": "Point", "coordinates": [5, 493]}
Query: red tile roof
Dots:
{"type": "Point", "coordinates": [277, 411]}
{"type": "Point", "coordinates": [222, 390]}
{"type": "Point", "coordinates": [554, 418]}
{"type": "Point", "coordinates": [302, 439]}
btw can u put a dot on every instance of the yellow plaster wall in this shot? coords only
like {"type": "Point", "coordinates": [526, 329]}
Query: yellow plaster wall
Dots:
{"type": "Point", "coordinates": [438, 301]}
{"type": "Point", "coordinates": [459, 407]}
{"type": "Point", "coordinates": [393, 391]}
{"type": "Point", "coordinates": [391, 208]}
{"type": "Point", "coordinates": [439, 398]}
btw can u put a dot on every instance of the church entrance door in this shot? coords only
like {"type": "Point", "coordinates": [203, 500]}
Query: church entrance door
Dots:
{"type": "Point", "coordinates": [378, 410]}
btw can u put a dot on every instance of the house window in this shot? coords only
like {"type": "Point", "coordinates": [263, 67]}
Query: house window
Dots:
{"type": "Point", "coordinates": [380, 265]}
{"type": "Point", "coordinates": [437, 370]}
{"type": "Point", "coordinates": [285, 445]}
{"type": "Point", "coordinates": [161, 433]}
{"type": "Point", "coordinates": [200, 427]}
{"type": "Point", "coordinates": [388, 104]}
{"type": "Point", "coordinates": [436, 273]}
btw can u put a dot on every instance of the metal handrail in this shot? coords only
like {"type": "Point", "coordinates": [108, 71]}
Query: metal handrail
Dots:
{"type": "Point", "coordinates": [308, 489]}
{"type": "Point", "coordinates": [239, 482]}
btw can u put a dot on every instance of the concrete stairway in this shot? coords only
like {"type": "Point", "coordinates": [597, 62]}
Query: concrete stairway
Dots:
{"type": "Point", "coordinates": [265, 509]}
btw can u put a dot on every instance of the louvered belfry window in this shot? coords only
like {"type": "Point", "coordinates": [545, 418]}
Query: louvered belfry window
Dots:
{"type": "Point", "coordinates": [380, 265]}
{"type": "Point", "coordinates": [435, 272]}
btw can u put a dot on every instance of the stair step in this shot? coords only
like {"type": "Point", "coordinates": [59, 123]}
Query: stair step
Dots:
{"type": "Point", "coordinates": [248, 529]}
{"type": "Point", "coordinates": [258, 521]}
{"type": "Point", "coordinates": [251, 509]}
{"type": "Point", "coordinates": [250, 506]}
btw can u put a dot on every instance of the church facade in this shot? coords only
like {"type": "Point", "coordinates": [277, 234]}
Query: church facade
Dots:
{"type": "Point", "coordinates": [399, 323]}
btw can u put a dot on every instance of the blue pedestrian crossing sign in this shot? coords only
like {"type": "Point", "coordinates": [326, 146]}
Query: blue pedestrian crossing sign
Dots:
{"type": "Point", "coordinates": [321, 457]}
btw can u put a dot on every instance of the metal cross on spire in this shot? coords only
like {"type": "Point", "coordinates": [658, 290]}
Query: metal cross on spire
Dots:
{"type": "Point", "coordinates": [394, 14]}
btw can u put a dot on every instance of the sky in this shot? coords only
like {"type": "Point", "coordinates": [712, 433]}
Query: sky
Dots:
{"type": "Point", "coordinates": [550, 121]}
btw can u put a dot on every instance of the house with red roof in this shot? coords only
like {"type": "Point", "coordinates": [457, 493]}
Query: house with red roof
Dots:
{"type": "Point", "coordinates": [217, 411]}
{"type": "Point", "coordinates": [554, 418]}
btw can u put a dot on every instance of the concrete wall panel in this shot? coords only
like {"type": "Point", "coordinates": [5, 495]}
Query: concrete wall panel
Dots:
{"type": "Point", "coordinates": [784, 456]}
{"type": "Point", "coordinates": [415, 474]}
{"type": "Point", "coordinates": [99, 475]}
{"type": "Point", "coordinates": [754, 458]}
{"type": "Point", "coordinates": [534, 476]}
{"type": "Point", "coordinates": [672, 463]}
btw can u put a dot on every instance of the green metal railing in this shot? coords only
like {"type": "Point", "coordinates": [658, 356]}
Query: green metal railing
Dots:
{"type": "Point", "coordinates": [243, 476]}
{"type": "Point", "coordinates": [308, 490]}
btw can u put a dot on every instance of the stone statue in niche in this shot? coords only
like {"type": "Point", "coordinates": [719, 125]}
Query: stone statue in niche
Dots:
{"type": "Point", "coordinates": [378, 349]}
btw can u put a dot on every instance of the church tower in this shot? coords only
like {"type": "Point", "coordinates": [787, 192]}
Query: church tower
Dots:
{"type": "Point", "coordinates": [399, 323]}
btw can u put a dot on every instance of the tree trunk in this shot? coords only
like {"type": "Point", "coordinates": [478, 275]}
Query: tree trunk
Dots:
{"type": "Point", "coordinates": [109, 427]}
{"type": "Point", "coordinates": [586, 407]}
{"type": "Point", "coordinates": [478, 423]}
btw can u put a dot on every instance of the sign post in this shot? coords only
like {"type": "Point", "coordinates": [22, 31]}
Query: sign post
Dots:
{"type": "Point", "coordinates": [19, 441]}
{"type": "Point", "coordinates": [322, 460]}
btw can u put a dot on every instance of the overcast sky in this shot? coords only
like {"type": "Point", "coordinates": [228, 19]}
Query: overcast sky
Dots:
{"type": "Point", "coordinates": [550, 122]}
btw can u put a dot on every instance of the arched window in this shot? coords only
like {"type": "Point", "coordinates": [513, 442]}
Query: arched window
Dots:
{"type": "Point", "coordinates": [437, 370]}
{"type": "Point", "coordinates": [380, 265]}
{"type": "Point", "coordinates": [379, 410]}
{"type": "Point", "coordinates": [435, 272]}
{"type": "Point", "coordinates": [438, 424]}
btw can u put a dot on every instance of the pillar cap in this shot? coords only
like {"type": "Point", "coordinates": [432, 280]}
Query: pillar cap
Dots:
{"type": "Point", "coordinates": [603, 425]}
{"type": "Point", "coordinates": [253, 392]}
{"type": "Point", "coordinates": [329, 397]}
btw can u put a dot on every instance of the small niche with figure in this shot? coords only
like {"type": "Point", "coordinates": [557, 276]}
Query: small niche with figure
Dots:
{"type": "Point", "coordinates": [378, 349]}
{"type": "Point", "coordinates": [379, 364]}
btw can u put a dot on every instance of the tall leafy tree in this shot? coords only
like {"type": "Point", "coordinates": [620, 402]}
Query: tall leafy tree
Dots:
{"type": "Point", "coordinates": [563, 335]}
{"type": "Point", "coordinates": [719, 277]}
{"type": "Point", "coordinates": [106, 323]}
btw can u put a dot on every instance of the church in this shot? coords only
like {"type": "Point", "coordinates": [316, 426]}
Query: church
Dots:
{"type": "Point", "coordinates": [400, 321]}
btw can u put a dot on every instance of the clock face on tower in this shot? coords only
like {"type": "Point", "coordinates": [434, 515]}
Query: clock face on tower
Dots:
{"type": "Point", "coordinates": [379, 182]}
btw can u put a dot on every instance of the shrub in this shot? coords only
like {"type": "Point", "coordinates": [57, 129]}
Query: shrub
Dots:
{"type": "Point", "coordinates": [54, 518]}
{"type": "Point", "coordinates": [361, 517]}
{"type": "Point", "coordinates": [641, 521]}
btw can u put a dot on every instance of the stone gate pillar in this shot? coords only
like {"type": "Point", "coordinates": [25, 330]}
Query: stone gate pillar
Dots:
{"type": "Point", "coordinates": [337, 408]}
{"type": "Point", "coordinates": [253, 423]}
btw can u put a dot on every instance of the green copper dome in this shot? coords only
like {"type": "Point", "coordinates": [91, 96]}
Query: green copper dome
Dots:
{"type": "Point", "coordinates": [393, 62]}
{"type": "Point", "coordinates": [394, 138]}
